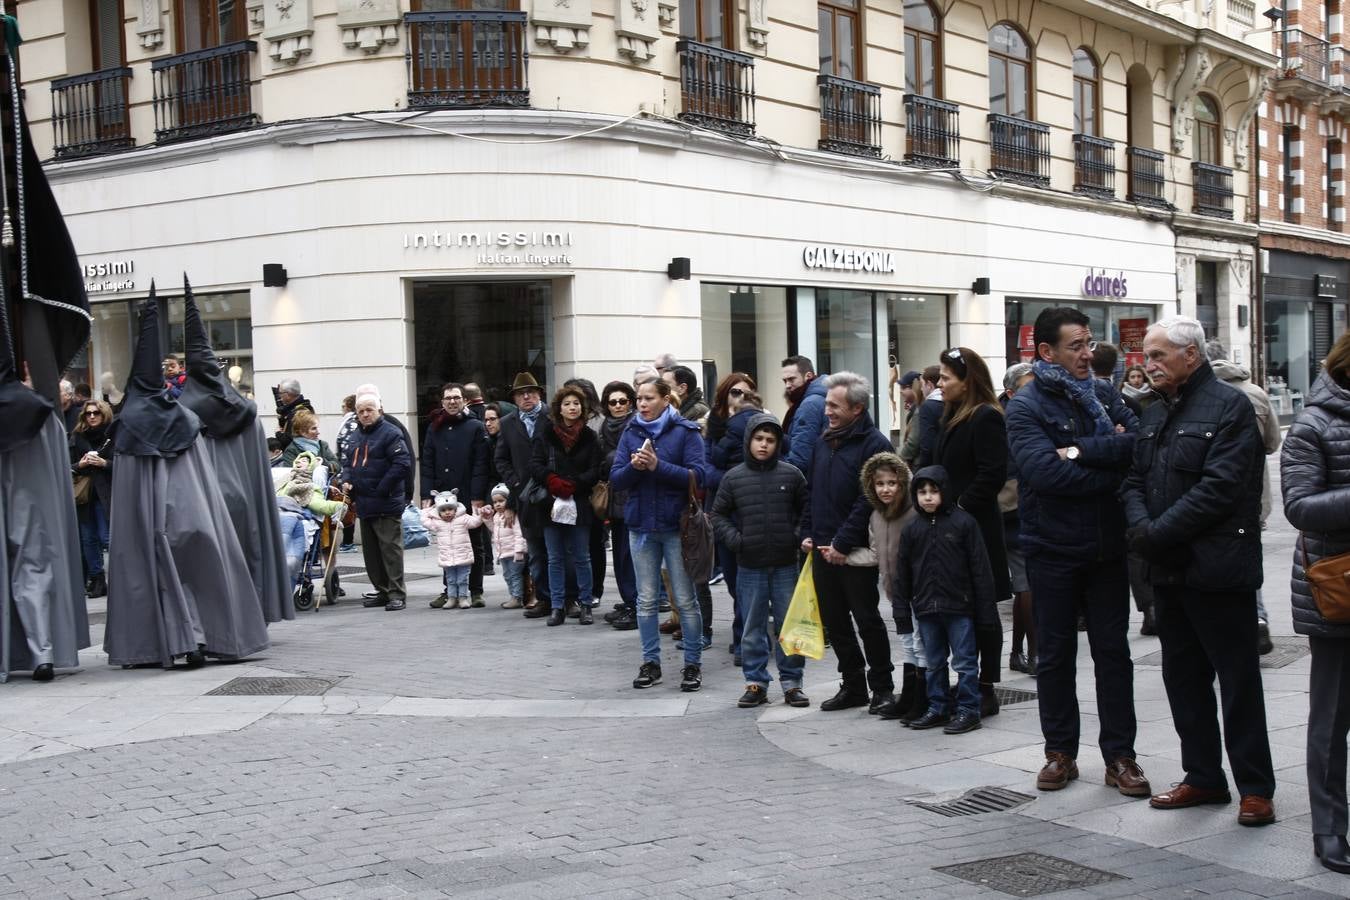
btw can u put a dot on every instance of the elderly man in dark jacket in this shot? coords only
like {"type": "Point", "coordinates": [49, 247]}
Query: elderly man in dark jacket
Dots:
{"type": "Point", "coordinates": [455, 458]}
{"type": "Point", "coordinates": [834, 523]}
{"type": "Point", "coordinates": [1193, 507]}
{"type": "Point", "coordinates": [375, 474]}
{"type": "Point", "coordinates": [515, 436]}
{"type": "Point", "coordinates": [1071, 438]}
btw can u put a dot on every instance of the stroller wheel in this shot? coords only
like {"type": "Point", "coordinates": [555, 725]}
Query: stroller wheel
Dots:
{"type": "Point", "coordinates": [331, 591]}
{"type": "Point", "coordinates": [304, 596]}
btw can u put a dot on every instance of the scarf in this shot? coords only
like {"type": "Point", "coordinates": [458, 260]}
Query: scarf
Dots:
{"type": "Point", "coordinates": [656, 427]}
{"type": "Point", "coordinates": [308, 445]}
{"type": "Point", "coordinates": [613, 429]}
{"type": "Point", "coordinates": [1080, 392]}
{"type": "Point", "coordinates": [835, 436]}
{"type": "Point", "coordinates": [568, 434]}
{"type": "Point", "coordinates": [528, 419]}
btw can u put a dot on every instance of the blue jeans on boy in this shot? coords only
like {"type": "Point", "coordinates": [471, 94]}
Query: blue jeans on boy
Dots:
{"type": "Point", "coordinates": [760, 592]}
{"type": "Point", "coordinates": [943, 633]}
{"type": "Point", "coordinates": [514, 573]}
{"type": "Point", "coordinates": [650, 550]}
{"type": "Point", "coordinates": [457, 581]}
{"type": "Point", "coordinates": [93, 536]}
{"type": "Point", "coordinates": [568, 545]}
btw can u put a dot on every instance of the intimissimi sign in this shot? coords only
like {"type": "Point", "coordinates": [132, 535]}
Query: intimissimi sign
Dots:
{"type": "Point", "coordinates": [498, 248]}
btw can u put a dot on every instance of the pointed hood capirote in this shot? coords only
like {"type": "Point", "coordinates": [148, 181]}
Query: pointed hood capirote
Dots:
{"type": "Point", "coordinates": [207, 392]}
{"type": "Point", "coordinates": [151, 422]}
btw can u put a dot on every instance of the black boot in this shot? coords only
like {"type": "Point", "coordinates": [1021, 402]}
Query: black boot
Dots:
{"type": "Point", "coordinates": [903, 702]}
{"type": "Point", "coordinates": [585, 617]}
{"type": "Point", "coordinates": [919, 703]}
{"type": "Point", "coordinates": [98, 586]}
{"type": "Point", "coordinates": [556, 617]}
{"type": "Point", "coordinates": [44, 672]}
{"type": "Point", "coordinates": [988, 700]}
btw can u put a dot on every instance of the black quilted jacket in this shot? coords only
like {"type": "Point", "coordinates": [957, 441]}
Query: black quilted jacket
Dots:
{"type": "Point", "coordinates": [1315, 478]}
{"type": "Point", "coordinates": [758, 505]}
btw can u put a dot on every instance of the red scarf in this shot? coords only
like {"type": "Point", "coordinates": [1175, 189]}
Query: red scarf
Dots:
{"type": "Point", "coordinates": [569, 434]}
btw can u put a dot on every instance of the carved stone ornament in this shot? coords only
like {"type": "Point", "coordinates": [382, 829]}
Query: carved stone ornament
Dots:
{"type": "Point", "coordinates": [288, 28]}
{"type": "Point", "coordinates": [368, 25]}
{"type": "Point", "coordinates": [667, 12]}
{"type": "Point", "coordinates": [150, 25]}
{"type": "Point", "coordinates": [256, 15]}
{"type": "Point", "coordinates": [1195, 68]}
{"type": "Point", "coordinates": [564, 25]}
{"type": "Point", "coordinates": [637, 29]}
{"type": "Point", "coordinates": [757, 24]}
{"type": "Point", "coordinates": [1257, 83]}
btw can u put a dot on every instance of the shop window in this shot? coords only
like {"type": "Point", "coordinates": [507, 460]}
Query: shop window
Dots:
{"type": "Point", "coordinates": [1009, 72]}
{"type": "Point", "coordinates": [1107, 321]}
{"type": "Point", "coordinates": [745, 329]}
{"type": "Point", "coordinates": [1086, 93]}
{"type": "Point", "coordinates": [840, 43]}
{"type": "Point", "coordinates": [709, 22]}
{"type": "Point", "coordinates": [923, 49]}
{"type": "Point", "coordinates": [1207, 147]}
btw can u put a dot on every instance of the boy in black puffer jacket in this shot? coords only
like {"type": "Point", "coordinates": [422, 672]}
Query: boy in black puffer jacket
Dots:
{"type": "Point", "coordinates": [943, 574]}
{"type": "Point", "coordinates": [755, 515]}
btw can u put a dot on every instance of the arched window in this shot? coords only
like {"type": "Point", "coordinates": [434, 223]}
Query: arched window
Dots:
{"type": "Point", "coordinates": [923, 49]}
{"type": "Point", "coordinates": [1207, 128]}
{"type": "Point", "coordinates": [1086, 93]}
{"type": "Point", "coordinates": [1009, 71]}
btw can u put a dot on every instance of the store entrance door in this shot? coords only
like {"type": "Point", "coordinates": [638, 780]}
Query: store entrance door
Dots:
{"type": "Point", "coordinates": [485, 332]}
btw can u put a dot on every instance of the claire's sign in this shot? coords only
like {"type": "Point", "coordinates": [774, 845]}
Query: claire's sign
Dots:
{"type": "Point", "coordinates": [1100, 284]}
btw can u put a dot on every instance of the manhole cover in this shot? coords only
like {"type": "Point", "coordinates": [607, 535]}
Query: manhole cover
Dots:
{"type": "Point", "coordinates": [976, 802]}
{"type": "Point", "coordinates": [407, 576]}
{"type": "Point", "coordinates": [1028, 874]}
{"type": "Point", "coordinates": [1010, 696]}
{"type": "Point", "coordinates": [254, 687]}
{"type": "Point", "coordinates": [1287, 650]}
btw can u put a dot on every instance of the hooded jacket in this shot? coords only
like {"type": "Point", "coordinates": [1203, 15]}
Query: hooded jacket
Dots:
{"type": "Point", "coordinates": [1315, 474]}
{"type": "Point", "coordinates": [758, 504]}
{"type": "Point", "coordinates": [887, 522]}
{"type": "Point", "coordinates": [837, 512]}
{"type": "Point", "coordinates": [1240, 377]}
{"type": "Point", "coordinates": [454, 547]}
{"type": "Point", "coordinates": [942, 567]}
{"type": "Point", "coordinates": [807, 421]}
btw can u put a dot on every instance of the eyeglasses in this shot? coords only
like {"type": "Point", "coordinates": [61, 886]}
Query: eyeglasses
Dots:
{"type": "Point", "coordinates": [1080, 346]}
{"type": "Point", "coordinates": [618, 401]}
{"type": "Point", "coordinates": [736, 392]}
{"type": "Point", "coordinates": [454, 399]}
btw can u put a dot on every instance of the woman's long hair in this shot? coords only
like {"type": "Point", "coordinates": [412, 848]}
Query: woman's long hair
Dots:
{"type": "Point", "coordinates": [1338, 361]}
{"type": "Point", "coordinates": [103, 407]}
{"type": "Point", "coordinates": [973, 371]}
{"type": "Point", "coordinates": [722, 396]}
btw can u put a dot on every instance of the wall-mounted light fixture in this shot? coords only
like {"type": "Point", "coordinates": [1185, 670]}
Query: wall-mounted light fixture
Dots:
{"type": "Point", "coordinates": [274, 275]}
{"type": "Point", "coordinates": [980, 286]}
{"type": "Point", "coordinates": [678, 270]}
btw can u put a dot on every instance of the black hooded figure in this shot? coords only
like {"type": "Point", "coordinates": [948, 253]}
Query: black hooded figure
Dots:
{"type": "Point", "coordinates": [237, 444]}
{"type": "Point", "coordinates": [177, 580]}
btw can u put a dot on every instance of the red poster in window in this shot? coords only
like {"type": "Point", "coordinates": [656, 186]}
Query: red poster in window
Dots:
{"type": "Point", "coordinates": [1134, 359]}
{"type": "Point", "coordinates": [1132, 337]}
{"type": "Point", "coordinates": [1026, 338]}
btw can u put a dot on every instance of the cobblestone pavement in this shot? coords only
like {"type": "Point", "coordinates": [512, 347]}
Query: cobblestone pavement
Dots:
{"type": "Point", "coordinates": [473, 753]}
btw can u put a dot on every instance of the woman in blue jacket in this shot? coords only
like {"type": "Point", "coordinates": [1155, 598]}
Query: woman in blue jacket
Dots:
{"type": "Point", "coordinates": [652, 463]}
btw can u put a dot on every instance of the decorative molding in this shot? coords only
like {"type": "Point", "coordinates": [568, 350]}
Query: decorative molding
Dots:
{"type": "Point", "coordinates": [757, 24]}
{"type": "Point", "coordinates": [288, 28]}
{"type": "Point", "coordinates": [368, 25]}
{"type": "Point", "coordinates": [369, 38]}
{"type": "Point", "coordinates": [564, 25]}
{"type": "Point", "coordinates": [1195, 66]}
{"type": "Point", "coordinates": [150, 25]}
{"type": "Point", "coordinates": [1257, 83]}
{"type": "Point", "coordinates": [255, 16]}
{"type": "Point", "coordinates": [637, 28]}
{"type": "Point", "coordinates": [668, 12]}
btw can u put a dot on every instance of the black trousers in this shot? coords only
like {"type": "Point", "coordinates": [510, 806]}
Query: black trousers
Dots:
{"type": "Point", "coordinates": [481, 554]}
{"type": "Point", "coordinates": [1060, 587]}
{"type": "Point", "coordinates": [848, 599]}
{"type": "Point", "coordinates": [1328, 725]}
{"type": "Point", "coordinates": [598, 534]}
{"type": "Point", "coordinates": [1206, 634]}
{"type": "Point", "coordinates": [382, 552]}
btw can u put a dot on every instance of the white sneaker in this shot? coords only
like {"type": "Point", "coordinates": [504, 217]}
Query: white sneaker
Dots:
{"type": "Point", "coordinates": [464, 603]}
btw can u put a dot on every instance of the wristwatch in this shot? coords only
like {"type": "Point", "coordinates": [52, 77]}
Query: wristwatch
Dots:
{"type": "Point", "coordinates": [1072, 453]}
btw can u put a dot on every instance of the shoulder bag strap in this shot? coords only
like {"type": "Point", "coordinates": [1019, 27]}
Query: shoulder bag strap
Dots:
{"type": "Point", "coordinates": [693, 488]}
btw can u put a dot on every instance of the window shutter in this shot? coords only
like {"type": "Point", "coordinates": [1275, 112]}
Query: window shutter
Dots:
{"type": "Point", "coordinates": [109, 27]}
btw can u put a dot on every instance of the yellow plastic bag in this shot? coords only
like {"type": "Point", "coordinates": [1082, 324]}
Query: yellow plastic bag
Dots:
{"type": "Point", "coordinates": [802, 633]}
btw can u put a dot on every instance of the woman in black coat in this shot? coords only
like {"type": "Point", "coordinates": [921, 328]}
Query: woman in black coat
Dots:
{"type": "Point", "coordinates": [620, 405]}
{"type": "Point", "coordinates": [91, 455]}
{"type": "Point", "coordinates": [566, 459]}
{"type": "Point", "coordinates": [1315, 477]}
{"type": "Point", "coordinates": [972, 446]}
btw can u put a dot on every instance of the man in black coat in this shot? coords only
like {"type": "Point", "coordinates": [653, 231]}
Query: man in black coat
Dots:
{"type": "Point", "coordinates": [1193, 507]}
{"type": "Point", "coordinates": [455, 458]}
{"type": "Point", "coordinates": [515, 436]}
{"type": "Point", "coordinates": [375, 474]}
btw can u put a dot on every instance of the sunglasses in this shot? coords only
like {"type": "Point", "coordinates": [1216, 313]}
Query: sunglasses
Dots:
{"type": "Point", "coordinates": [92, 412]}
{"type": "Point", "coordinates": [619, 401]}
{"type": "Point", "coordinates": [955, 355]}
{"type": "Point", "coordinates": [737, 392]}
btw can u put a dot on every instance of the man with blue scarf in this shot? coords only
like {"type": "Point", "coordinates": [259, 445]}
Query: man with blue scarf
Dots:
{"type": "Point", "coordinates": [1072, 438]}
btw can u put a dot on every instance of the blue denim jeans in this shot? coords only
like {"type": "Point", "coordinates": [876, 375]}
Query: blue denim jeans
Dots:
{"type": "Point", "coordinates": [650, 551]}
{"type": "Point", "coordinates": [624, 575]}
{"type": "Point", "coordinates": [514, 573]}
{"type": "Point", "coordinates": [93, 536]}
{"type": "Point", "coordinates": [457, 581]}
{"type": "Point", "coordinates": [760, 592]}
{"type": "Point", "coordinates": [568, 545]}
{"type": "Point", "coordinates": [941, 634]}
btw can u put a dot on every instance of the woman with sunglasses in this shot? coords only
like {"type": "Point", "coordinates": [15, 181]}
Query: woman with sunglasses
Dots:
{"type": "Point", "coordinates": [735, 402]}
{"type": "Point", "coordinates": [972, 445]}
{"type": "Point", "coordinates": [91, 456]}
{"type": "Point", "coordinates": [619, 409]}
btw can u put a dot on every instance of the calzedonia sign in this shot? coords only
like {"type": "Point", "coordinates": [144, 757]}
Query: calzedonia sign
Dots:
{"type": "Point", "coordinates": [1099, 284]}
{"type": "Point", "coordinates": [848, 259]}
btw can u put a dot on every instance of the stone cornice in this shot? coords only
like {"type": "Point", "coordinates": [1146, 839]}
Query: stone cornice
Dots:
{"type": "Point", "coordinates": [1304, 233]}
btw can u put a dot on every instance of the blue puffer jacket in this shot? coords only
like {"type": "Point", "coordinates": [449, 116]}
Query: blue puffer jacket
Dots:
{"type": "Point", "coordinates": [656, 498]}
{"type": "Point", "coordinates": [377, 468]}
{"type": "Point", "coordinates": [1069, 508]}
{"type": "Point", "coordinates": [808, 421]}
{"type": "Point", "coordinates": [837, 511]}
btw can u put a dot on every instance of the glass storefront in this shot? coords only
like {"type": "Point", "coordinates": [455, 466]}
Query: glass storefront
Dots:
{"type": "Point", "coordinates": [1103, 318]}
{"type": "Point", "coordinates": [745, 329]}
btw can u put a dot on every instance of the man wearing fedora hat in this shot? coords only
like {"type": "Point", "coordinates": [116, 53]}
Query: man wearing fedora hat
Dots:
{"type": "Point", "coordinates": [515, 438]}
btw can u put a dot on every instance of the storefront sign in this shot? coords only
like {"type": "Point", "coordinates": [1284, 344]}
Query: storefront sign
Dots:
{"type": "Point", "coordinates": [1026, 342]}
{"type": "Point", "coordinates": [109, 277]}
{"type": "Point", "coordinates": [848, 259]}
{"type": "Point", "coordinates": [1325, 286]}
{"type": "Point", "coordinates": [498, 248]}
{"type": "Point", "coordinates": [1099, 284]}
{"type": "Point", "coordinates": [1132, 333]}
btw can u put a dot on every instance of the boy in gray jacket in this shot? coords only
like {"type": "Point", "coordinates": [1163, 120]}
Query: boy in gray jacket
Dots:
{"type": "Point", "coordinates": [758, 505]}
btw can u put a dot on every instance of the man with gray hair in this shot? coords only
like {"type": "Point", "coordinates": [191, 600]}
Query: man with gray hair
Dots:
{"type": "Point", "coordinates": [1241, 378]}
{"type": "Point", "coordinates": [1193, 509]}
{"type": "Point", "coordinates": [289, 402]}
{"type": "Point", "coordinates": [834, 525]}
{"type": "Point", "coordinates": [664, 362]}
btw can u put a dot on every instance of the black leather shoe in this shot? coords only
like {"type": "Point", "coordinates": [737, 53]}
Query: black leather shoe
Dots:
{"type": "Point", "coordinates": [930, 719]}
{"type": "Point", "coordinates": [845, 699]}
{"type": "Point", "coordinates": [538, 611]}
{"type": "Point", "coordinates": [880, 700]}
{"type": "Point", "coordinates": [395, 605]}
{"type": "Point", "coordinates": [46, 672]}
{"type": "Point", "coordinates": [1263, 642]}
{"type": "Point", "coordinates": [988, 700]}
{"type": "Point", "coordinates": [370, 595]}
{"type": "Point", "coordinates": [196, 659]}
{"type": "Point", "coordinates": [372, 602]}
{"type": "Point", "coordinates": [585, 617]}
{"type": "Point", "coordinates": [893, 710]}
{"type": "Point", "coordinates": [964, 721]}
{"type": "Point", "coordinates": [556, 617]}
{"type": "Point", "coordinates": [1017, 662]}
{"type": "Point", "coordinates": [1333, 852]}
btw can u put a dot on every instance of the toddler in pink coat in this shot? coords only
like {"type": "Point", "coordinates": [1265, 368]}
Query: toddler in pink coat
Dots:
{"type": "Point", "coordinates": [509, 544]}
{"type": "Point", "coordinates": [450, 522]}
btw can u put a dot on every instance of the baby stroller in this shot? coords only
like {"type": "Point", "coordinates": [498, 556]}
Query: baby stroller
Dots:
{"type": "Point", "coordinates": [311, 546]}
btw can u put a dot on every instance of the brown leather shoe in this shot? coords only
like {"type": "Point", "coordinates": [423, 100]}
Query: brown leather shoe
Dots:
{"type": "Point", "coordinates": [1058, 771]}
{"type": "Point", "coordinates": [1125, 776]}
{"type": "Point", "coordinates": [670, 626]}
{"type": "Point", "coordinates": [1255, 810]}
{"type": "Point", "coordinates": [1184, 795]}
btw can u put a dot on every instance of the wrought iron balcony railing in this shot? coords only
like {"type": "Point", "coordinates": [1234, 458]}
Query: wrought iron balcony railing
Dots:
{"type": "Point", "coordinates": [473, 58]}
{"type": "Point", "coordinates": [204, 92]}
{"type": "Point", "coordinates": [1094, 166]}
{"type": "Point", "coordinates": [932, 132]}
{"type": "Point", "coordinates": [1213, 189]}
{"type": "Point", "coordinates": [1019, 149]}
{"type": "Point", "coordinates": [850, 116]}
{"type": "Point", "coordinates": [90, 115]}
{"type": "Point", "coordinates": [717, 87]}
{"type": "Point", "coordinates": [1303, 55]}
{"type": "Point", "coordinates": [1147, 177]}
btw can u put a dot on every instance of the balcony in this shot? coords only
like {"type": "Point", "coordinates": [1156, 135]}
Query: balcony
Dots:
{"type": "Point", "coordinates": [932, 132]}
{"type": "Point", "coordinates": [1019, 150]}
{"type": "Point", "coordinates": [850, 116]}
{"type": "Point", "coordinates": [467, 58]}
{"type": "Point", "coordinates": [1147, 177]}
{"type": "Point", "coordinates": [1213, 188]}
{"type": "Point", "coordinates": [204, 92]}
{"type": "Point", "coordinates": [1094, 166]}
{"type": "Point", "coordinates": [1305, 66]}
{"type": "Point", "coordinates": [89, 114]}
{"type": "Point", "coordinates": [717, 87]}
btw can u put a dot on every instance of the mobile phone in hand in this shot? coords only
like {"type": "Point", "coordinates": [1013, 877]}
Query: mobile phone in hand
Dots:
{"type": "Point", "coordinates": [647, 446]}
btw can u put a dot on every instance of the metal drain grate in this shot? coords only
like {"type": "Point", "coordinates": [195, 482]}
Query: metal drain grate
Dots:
{"type": "Point", "coordinates": [977, 801]}
{"type": "Point", "coordinates": [407, 576]}
{"type": "Point", "coordinates": [1287, 649]}
{"type": "Point", "coordinates": [1011, 696]}
{"type": "Point", "coordinates": [1028, 874]}
{"type": "Point", "coordinates": [255, 687]}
